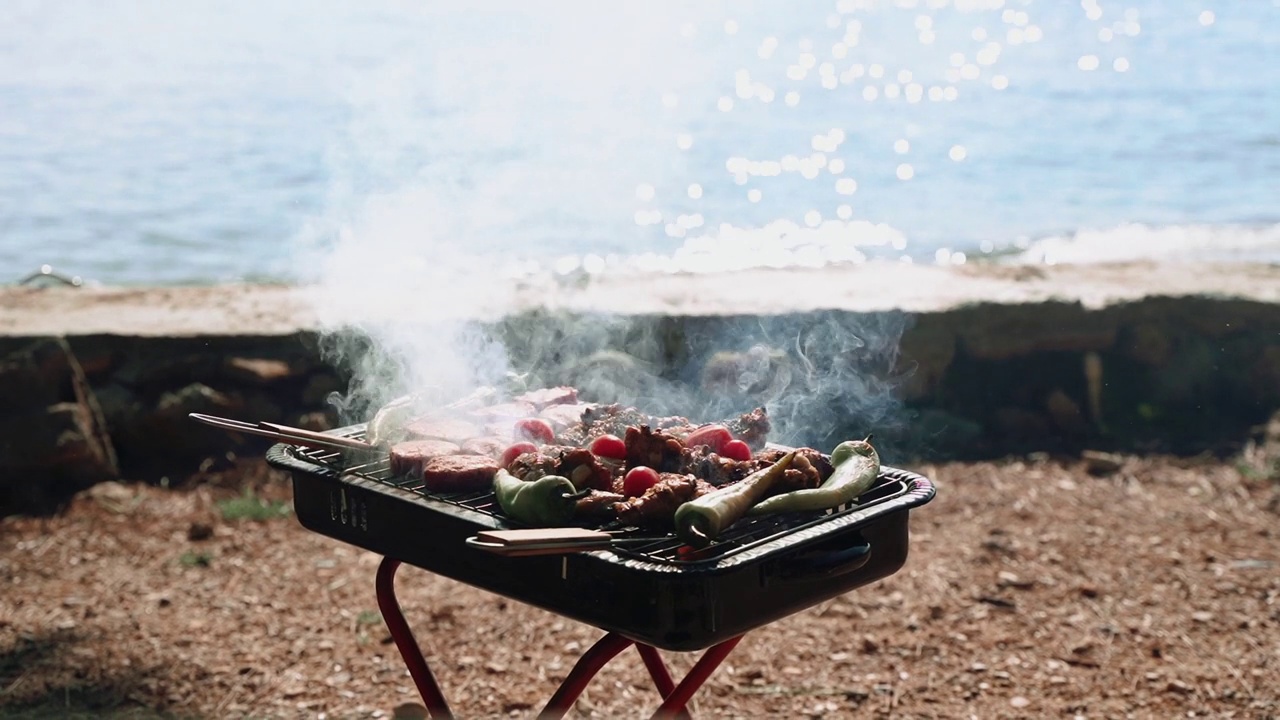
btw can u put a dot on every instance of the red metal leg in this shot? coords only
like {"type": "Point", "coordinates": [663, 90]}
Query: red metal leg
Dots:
{"type": "Point", "coordinates": [677, 699]}
{"type": "Point", "coordinates": [658, 671]}
{"type": "Point", "coordinates": [437, 706]}
{"type": "Point", "coordinates": [596, 657]}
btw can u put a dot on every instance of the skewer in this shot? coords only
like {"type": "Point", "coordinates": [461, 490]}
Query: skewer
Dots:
{"type": "Point", "coordinates": [318, 440]}
{"type": "Point", "coordinates": [312, 435]}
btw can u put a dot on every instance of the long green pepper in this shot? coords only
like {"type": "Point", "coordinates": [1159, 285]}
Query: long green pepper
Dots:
{"type": "Point", "coordinates": [857, 465]}
{"type": "Point", "coordinates": [700, 521]}
{"type": "Point", "coordinates": [548, 501]}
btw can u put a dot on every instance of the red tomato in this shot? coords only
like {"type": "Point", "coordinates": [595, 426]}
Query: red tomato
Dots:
{"type": "Point", "coordinates": [736, 450]}
{"type": "Point", "coordinates": [713, 436]}
{"type": "Point", "coordinates": [609, 446]}
{"type": "Point", "coordinates": [510, 454]}
{"type": "Point", "coordinates": [638, 479]}
{"type": "Point", "coordinates": [535, 429]}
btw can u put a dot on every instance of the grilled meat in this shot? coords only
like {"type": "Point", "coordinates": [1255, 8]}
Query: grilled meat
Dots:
{"type": "Point", "coordinates": [801, 475]}
{"type": "Point", "coordinates": [409, 457]}
{"type": "Point", "coordinates": [565, 416]}
{"type": "Point", "coordinates": [717, 470]}
{"type": "Point", "coordinates": [545, 397]}
{"type": "Point", "coordinates": [751, 428]}
{"type": "Point", "coordinates": [578, 464]}
{"type": "Point", "coordinates": [531, 466]}
{"type": "Point", "coordinates": [585, 470]}
{"type": "Point", "coordinates": [488, 446]}
{"type": "Point", "coordinates": [653, 448]}
{"type": "Point", "coordinates": [458, 473]}
{"type": "Point", "coordinates": [506, 411]}
{"type": "Point", "coordinates": [598, 506]}
{"type": "Point", "coordinates": [614, 420]}
{"type": "Point", "coordinates": [658, 504]}
{"type": "Point", "coordinates": [449, 429]}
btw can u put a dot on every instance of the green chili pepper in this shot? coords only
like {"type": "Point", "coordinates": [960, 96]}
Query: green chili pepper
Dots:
{"type": "Point", "coordinates": [848, 449]}
{"type": "Point", "coordinates": [856, 469]}
{"type": "Point", "coordinates": [700, 521]}
{"type": "Point", "coordinates": [547, 502]}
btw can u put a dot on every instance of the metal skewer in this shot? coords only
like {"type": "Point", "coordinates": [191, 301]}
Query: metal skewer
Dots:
{"type": "Point", "coordinates": [284, 434]}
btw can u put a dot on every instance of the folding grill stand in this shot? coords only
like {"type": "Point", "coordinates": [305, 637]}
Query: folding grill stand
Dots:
{"type": "Point", "coordinates": [674, 697]}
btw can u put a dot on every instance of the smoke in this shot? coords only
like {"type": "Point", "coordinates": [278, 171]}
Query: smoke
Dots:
{"type": "Point", "coordinates": [464, 164]}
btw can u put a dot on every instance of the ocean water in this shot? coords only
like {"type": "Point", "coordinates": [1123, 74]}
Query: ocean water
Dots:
{"type": "Point", "coordinates": [201, 141]}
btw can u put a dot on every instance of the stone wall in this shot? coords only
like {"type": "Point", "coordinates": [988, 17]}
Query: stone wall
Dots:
{"type": "Point", "coordinates": [1180, 374]}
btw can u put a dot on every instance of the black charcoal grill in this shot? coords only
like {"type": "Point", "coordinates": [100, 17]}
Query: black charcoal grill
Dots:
{"type": "Point", "coordinates": [647, 588]}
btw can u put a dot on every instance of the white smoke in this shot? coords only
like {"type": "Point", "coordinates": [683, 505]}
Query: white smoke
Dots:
{"type": "Point", "coordinates": [418, 237]}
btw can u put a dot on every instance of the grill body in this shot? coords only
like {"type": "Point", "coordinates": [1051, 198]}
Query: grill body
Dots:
{"type": "Point", "coordinates": [644, 588]}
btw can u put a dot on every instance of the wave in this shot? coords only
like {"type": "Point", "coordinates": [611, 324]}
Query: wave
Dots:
{"type": "Point", "coordinates": [785, 244]}
{"type": "Point", "coordinates": [1135, 242]}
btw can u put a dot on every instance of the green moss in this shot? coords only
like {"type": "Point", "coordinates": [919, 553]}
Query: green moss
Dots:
{"type": "Point", "coordinates": [251, 507]}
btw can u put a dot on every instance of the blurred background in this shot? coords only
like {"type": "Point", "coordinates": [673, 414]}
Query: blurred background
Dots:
{"type": "Point", "coordinates": [204, 142]}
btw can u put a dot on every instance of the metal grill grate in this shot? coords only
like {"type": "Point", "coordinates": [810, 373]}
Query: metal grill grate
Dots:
{"type": "Point", "coordinates": [645, 544]}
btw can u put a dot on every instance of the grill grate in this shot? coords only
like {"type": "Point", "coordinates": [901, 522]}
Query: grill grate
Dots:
{"type": "Point", "coordinates": [638, 543]}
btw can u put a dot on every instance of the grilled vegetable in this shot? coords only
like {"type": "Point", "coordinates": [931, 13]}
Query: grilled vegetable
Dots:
{"type": "Point", "coordinates": [535, 430]}
{"type": "Point", "coordinates": [548, 501]}
{"type": "Point", "coordinates": [857, 465]}
{"type": "Point", "coordinates": [700, 521]}
{"type": "Point", "coordinates": [736, 450]}
{"type": "Point", "coordinates": [638, 480]}
{"type": "Point", "coordinates": [713, 436]}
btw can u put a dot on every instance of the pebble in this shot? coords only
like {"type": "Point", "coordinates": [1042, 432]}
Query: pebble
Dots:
{"type": "Point", "coordinates": [1019, 702]}
{"type": "Point", "coordinates": [1202, 616]}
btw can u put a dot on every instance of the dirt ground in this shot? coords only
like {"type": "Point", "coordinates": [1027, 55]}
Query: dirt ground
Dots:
{"type": "Point", "coordinates": [1034, 589]}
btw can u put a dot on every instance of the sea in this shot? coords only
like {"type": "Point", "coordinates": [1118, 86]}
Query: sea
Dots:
{"type": "Point", "coordinates": [148, 142]}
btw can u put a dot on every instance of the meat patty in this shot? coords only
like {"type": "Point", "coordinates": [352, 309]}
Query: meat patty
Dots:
{"type": "Point", "coordinates": [506, 411]}
{"type": "Point", "coordinates": [450, 429]}
{"type": "Point", "coordinates": [409, 457]}
{"type": "Point", "coordinates": [488, 446]}
{"type": "Point", "coordinates": [459, 473]}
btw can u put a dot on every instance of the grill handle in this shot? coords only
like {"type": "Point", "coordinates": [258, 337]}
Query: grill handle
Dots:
{"type": "Point", "coordinates": [830, 563]}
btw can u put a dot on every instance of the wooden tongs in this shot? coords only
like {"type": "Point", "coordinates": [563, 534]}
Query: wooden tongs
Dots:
{"type": "Point", "coordinates": [286, 434]}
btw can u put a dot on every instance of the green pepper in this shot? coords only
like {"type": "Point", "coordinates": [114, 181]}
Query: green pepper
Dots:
{"type": "Point", "coordinates": [857, 465]}
{"type": "Point", "coordinates": [701, 520]}
{"type": "Point", "coordinates": [848, 449]}
{"type": "Point", "coordinates": [547, 502]}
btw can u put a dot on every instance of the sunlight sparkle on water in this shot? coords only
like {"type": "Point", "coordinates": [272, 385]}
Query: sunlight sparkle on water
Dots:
{"type": "Point", "coordinates": [847, 67]}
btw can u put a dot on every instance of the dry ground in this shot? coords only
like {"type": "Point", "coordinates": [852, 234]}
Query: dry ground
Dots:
{"type": "Point", "coordinates": [1034, 590]}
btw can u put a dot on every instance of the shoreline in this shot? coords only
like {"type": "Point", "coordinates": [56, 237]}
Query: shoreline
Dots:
{"type": "Point", "coordinates": [266, 309]}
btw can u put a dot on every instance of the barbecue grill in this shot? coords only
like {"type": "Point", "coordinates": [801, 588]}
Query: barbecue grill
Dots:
{"type": "Point", "coordinates": [645, 588]}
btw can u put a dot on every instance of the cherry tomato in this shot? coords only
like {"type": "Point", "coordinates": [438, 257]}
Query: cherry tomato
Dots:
{"type": "Point", "coordinates": [510, 454]}
{"type": "Point", "coordinates": [713, 436]}
{"type": "Point", "coordinates": [535, 429]}
{"type": "Point", "coordinates": [638, 479]}
{"type": "Point", "coordinates": [736, 450]}
{"type": "Point", "coordinates": [609, 446]}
